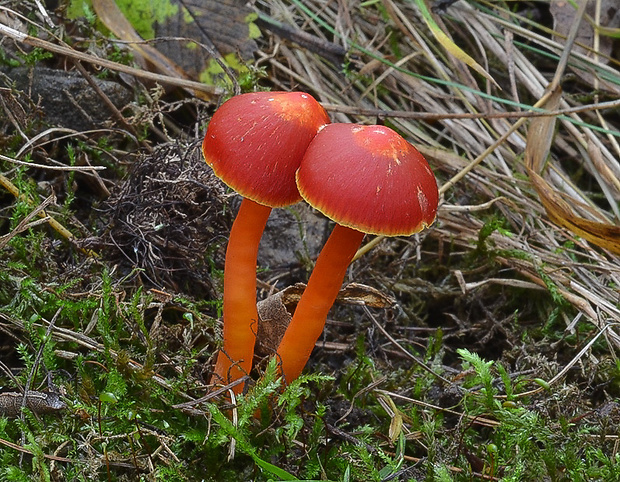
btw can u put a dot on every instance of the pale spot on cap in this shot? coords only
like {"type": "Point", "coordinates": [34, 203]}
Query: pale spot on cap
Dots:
{"type": "Point", "coordinates": [423, 200]}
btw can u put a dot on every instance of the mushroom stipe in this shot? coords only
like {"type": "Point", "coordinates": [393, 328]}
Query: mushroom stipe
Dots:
{"type": "Point", "coordinates": [367, 179]}
{"type": "Point", "coordinates": [239, 281]}
{"type": "Point", "coordinates": [323, 286]}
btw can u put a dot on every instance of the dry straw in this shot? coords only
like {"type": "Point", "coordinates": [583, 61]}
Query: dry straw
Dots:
{"type": "Point", "coordinates": [480, 138]}
{"type": "Point", "coordinates": [567, 238]}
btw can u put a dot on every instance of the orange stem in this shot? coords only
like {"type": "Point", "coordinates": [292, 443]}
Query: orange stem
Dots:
{"type": "Point", "coordinates": [240, 316]}
{"type": "Point", "coordinates": [323, 286]}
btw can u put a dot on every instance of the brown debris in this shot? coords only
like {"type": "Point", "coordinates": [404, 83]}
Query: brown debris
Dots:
{"type": "Point", "coordinates": [165, 217]}
{"type": "Point", "coordinates": [40, 403]}
{"type": "Point", "coordinates": [275, 312]}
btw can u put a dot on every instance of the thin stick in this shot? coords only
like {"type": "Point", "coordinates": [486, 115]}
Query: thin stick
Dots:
{"type": "Point", "coordinates": [433, 116]}
{"type": "Point", "coordinates": [403, 350]}
{"type": "Point", "coordinates": [52, 168]}
{"type": "Point", "coordinates": [107, 64]}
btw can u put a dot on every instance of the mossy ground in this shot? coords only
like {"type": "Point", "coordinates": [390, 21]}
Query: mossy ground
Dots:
{"type": "Point", "coordinates": [497, 361]}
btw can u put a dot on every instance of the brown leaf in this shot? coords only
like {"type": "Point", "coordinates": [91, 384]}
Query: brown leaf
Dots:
{"type": "Point", "coordinates": [274, 318]}
{"type": "Point", "coordinates": [359, 294]}
{"type": "Point", "coordinates": [222, 27]}
{"type": "Point", "coordinates": [275, 312]}
{"type": "Point", "coordinates": [224, 24]}
{"type": "Point", "coordinates": [560, 210]}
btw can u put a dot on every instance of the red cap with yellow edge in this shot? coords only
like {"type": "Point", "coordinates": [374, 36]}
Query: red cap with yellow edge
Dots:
{"type": "Point", "coordinates": [368, 178]}
{"type": "Point", "coordinates": [255, 142]}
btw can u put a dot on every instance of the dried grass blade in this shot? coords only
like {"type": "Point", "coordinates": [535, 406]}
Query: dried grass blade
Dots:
{"type": "Point", "coordinates": [539, 139]}
{"type": "Point", "coordinates": [447, 43]}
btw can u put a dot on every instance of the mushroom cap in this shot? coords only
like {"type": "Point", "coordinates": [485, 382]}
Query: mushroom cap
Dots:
{"type": "Point", "coordinates": [370, 179]}
{"type": "Point", "coordinates": [255, 142]}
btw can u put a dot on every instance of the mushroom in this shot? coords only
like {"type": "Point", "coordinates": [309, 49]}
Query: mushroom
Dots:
{"type": "Point", "coordinates": [367, 179]}
{"type": "Point", "coordinates": [254, 143]}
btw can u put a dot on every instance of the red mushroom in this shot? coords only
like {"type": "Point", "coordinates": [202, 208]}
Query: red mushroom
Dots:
{"type": "Point", "coordinates": [254, 143]}
{"type": "Point", "coordinates": [368, 179]}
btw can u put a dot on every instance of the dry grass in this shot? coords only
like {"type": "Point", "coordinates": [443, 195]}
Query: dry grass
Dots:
{"type": "Point", "coordinates": [527, 157]}
{"type": "Point", "coordinates": [479, 137]}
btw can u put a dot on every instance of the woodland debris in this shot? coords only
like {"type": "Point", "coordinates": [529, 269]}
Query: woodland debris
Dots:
{"type": "Point", "coordinates": [40, 403]}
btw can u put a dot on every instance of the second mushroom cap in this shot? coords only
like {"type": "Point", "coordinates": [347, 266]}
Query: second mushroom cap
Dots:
{"type": "Point", "coordinates": [368, 178]}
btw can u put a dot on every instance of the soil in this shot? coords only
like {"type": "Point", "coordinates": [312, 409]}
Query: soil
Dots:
{"type": "Point", "coordinates": [156, 221]}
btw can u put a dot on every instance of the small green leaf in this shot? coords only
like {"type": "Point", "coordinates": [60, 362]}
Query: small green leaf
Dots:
{"type": "Point", "coordinates": [107, 397]}
{"type": "Point", "coordinates": [542, 383]}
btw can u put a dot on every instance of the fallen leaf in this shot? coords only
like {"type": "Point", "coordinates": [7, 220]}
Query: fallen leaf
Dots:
{"type": "Point", "coordinates": [193, 37]}
{"type": "Point", "coordinates": [561, 212]}
{"type": "Point", "coordinates": [274, 318]}
{"type": "Point", "coordinates": [359, 294]}
{"type": "Point", "coordinates": [560, 208]}
{"type": "Point", "coordinates": [275, 312]}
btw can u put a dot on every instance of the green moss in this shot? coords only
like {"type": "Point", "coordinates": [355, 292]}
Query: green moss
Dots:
{"type": "Point", "coordinates": [213, 74]}
{"type": "Point", "coordinates": [80, 9]}
{"type": "Point", "coordinates": [253, 30]}
{"type": "Point", "coordinates": [143, 15]}
{"type": "Point", "coordinates": [190, 17]}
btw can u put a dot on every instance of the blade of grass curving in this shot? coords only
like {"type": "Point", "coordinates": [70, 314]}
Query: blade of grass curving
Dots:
{"type": "Point", "coordinates": [449, 44]}
{"type": "Point", "coordinates": [244, 445]}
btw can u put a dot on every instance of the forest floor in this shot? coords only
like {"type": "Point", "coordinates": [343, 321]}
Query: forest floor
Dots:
{"type": "Point", "coordinates": [483, 348]}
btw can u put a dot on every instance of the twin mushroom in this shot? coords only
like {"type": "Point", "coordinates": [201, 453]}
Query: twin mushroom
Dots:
{"type": "Point", "coordinates": [275, 148]}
